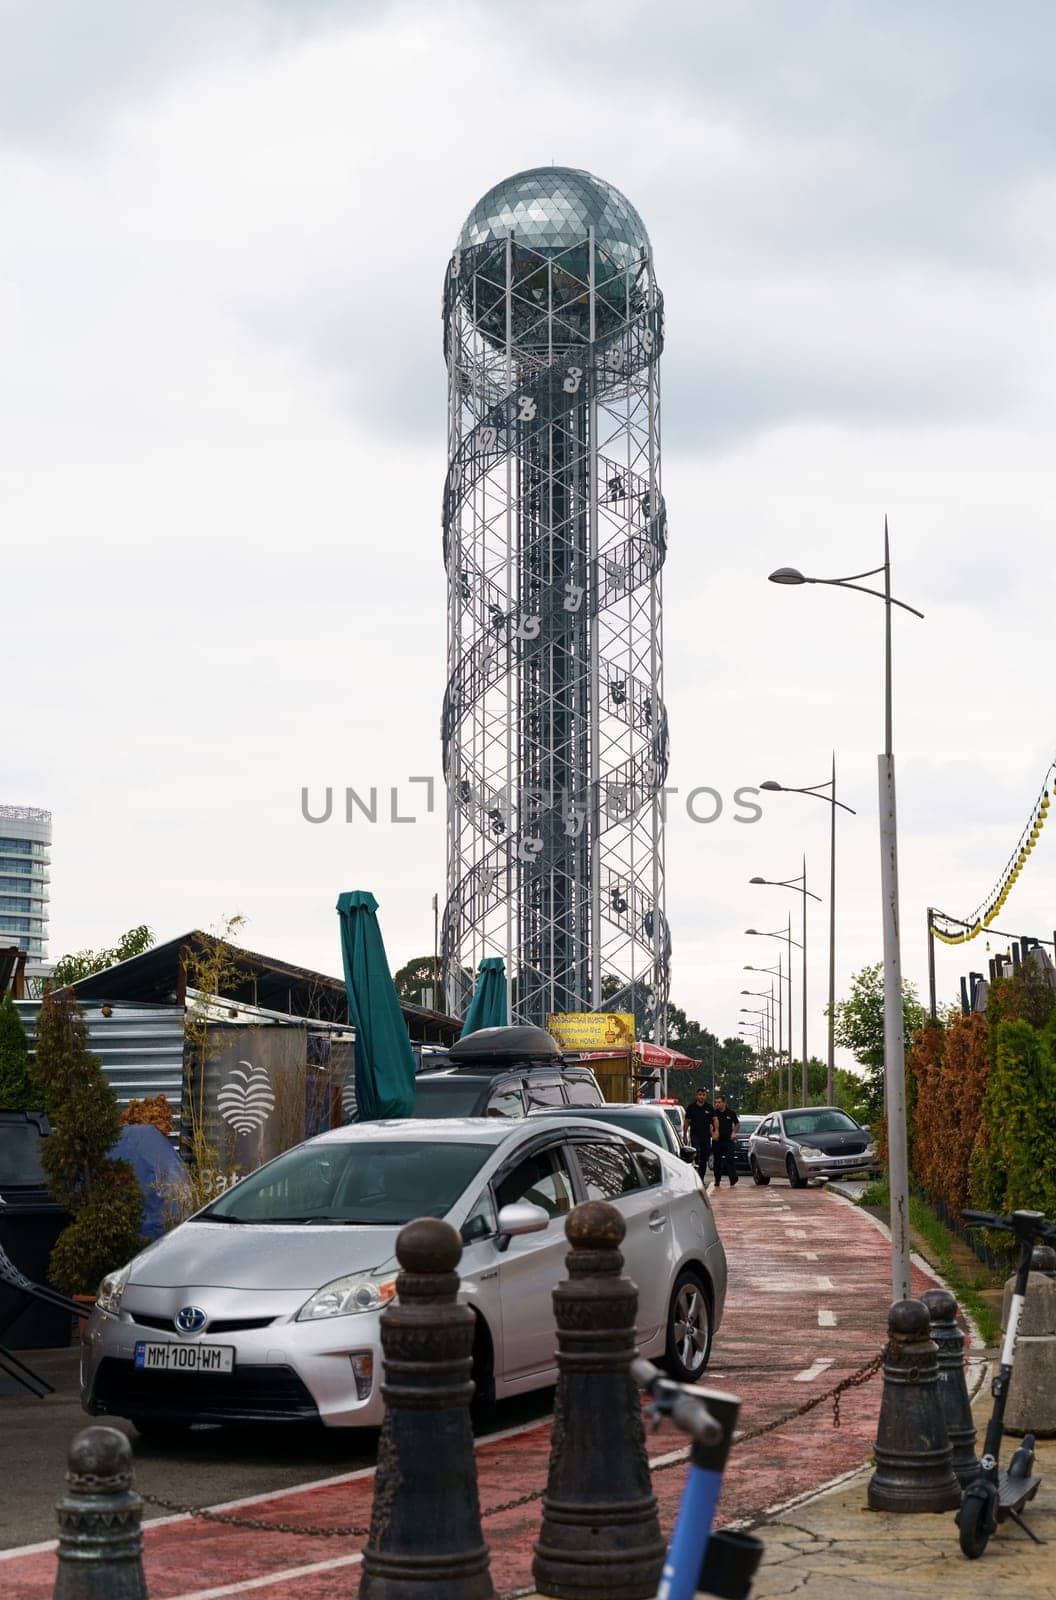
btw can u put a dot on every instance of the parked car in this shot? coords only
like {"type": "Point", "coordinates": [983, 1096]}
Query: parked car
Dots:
{"type": "Point", "coordinates": [675, 1112]}
{"type": "Point", "coordinates": [504, 1072]}
{"type": "Point", "coordinates": [816, 1142]}
{"type": "Point", "coordinates": [748, 1126]}
{"type": "Point", "coordinates": [264, 1306]}
{"type": "Point", "coordinates": [648, 1121]}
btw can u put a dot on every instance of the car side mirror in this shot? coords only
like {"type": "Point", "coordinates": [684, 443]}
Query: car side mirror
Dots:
{"type": "Point", "coordinates": [689, 1153]}
{"type": "Point", "coordinates": [518, 1218]}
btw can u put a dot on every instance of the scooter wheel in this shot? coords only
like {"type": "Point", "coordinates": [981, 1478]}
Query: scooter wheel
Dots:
{"type": "Point", "coordinates": [973, 1520]}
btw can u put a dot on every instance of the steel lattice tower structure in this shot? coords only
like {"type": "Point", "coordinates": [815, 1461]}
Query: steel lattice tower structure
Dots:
{"type": "Point", "coordinates": [554, 729]}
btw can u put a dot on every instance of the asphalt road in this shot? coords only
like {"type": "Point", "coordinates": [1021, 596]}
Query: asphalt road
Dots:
{"type": "Point", "coordinates": [206, 1467]}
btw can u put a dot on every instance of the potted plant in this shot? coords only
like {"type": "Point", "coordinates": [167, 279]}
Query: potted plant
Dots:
{"type": "Point", "coordinates": [102, 1195]}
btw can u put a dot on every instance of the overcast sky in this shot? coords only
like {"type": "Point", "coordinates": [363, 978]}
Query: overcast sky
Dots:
{"type": "Point", "coordinates": [222, 239]}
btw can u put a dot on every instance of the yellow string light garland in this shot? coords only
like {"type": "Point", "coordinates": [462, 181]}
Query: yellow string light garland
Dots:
{"type": "Point", "coordinates": [989, 908]}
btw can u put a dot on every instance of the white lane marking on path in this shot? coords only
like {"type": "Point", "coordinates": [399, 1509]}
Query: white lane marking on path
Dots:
{"type": "Point", "coordinates": [810, 1373]}
{"type": "Point", "coordinates": [824, 1283]}
{"type": "Point", "coordinates": [797, 1233]}
{"type": "Point", "coordinates": [811, 1255]}
{"type": "Point", "coordinates": [826, 1319]}
{"type": "Point", "coordinates": [270, 1579]}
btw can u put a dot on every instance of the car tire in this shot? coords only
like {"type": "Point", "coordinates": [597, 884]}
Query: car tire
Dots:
{"type": "Point", "coordinates": [761, 1178]}
{"type": "Point", "coordinates": [482, 1406]}
{"type": "Point", "coordinates": [793, 1173]}
{"type": "Point", "coordinates": [688, 1348]}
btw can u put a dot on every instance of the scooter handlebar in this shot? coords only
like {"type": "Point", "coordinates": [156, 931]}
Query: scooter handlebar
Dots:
{"type": "Point", "coordinates": [1025, 1224]}
{"type": "Point", "coordinates": [987, 1219]}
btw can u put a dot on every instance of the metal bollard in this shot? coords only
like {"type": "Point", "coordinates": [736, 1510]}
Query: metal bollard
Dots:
{"type": "Point", "coordinates": [913, 1455]}
{"type": "Point", "coordinates": [425, 1539]}
{"type": "Point", "coordinates": [100, 1540]}
{"type": "Point", "coordinates": [956, 1406]}
{"type": "Point", "coordinates": [600, 1533]}
{"type": "Point", "coordinates": [1031, 1406]}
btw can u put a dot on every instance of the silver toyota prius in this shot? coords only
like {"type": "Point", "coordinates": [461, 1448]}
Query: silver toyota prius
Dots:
{"type": "Point", "coordinates": [265, 1306]}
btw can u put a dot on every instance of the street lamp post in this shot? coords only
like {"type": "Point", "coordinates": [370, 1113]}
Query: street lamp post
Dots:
{"type": "Point", "coordinates": [786, 934]}
{"type": "Point", "coordinates": [800, 886]}
{"type": "Point", "coordinates": [762, 994]}
{"type": "Point", "coordinates": [778, 973]}
{"type": "Point", "coordinates": [816, 789]}
{"type": "Point", "coordinates": [894, 1019]}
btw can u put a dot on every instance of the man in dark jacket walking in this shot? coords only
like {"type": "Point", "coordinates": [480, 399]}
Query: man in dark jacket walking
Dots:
{"type": "Point", "coordinates": [700, 1115]}
{"type": "Point", "coordinates": [724, 1125]}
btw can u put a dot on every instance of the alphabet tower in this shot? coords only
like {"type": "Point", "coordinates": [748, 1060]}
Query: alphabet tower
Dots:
{"type": "Point", "coordinates": [555, 734]}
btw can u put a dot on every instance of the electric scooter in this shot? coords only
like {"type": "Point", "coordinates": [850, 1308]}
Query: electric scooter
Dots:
{"type": "Point", "coordinates": [698, 1561]}
{"type": "Point", "coordinates": [998, 1494]}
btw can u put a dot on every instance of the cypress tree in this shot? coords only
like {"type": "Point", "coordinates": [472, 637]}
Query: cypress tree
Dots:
{"type": "Point", "coordinates": [102, 1194]}
{"type": "Point", "coordinates": [19, 1090]}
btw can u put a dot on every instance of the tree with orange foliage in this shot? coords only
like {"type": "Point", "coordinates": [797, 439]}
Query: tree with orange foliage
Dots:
{"type": "Point", "coordinates": [153, 1109]}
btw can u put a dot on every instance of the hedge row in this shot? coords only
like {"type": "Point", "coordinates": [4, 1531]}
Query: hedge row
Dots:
{"type": "Point", "coordinates": [982, 1096]}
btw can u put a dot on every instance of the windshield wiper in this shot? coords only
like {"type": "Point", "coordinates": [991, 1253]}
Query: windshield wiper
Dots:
{"type": "Point", "coordinates": [305, 1222]}
{"type": "Point", "coordinates": [215, 1216]}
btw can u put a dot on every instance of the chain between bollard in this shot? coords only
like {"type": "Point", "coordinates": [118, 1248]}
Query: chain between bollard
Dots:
{"type": "Point", "coordinates": [257, 1524]}
{"type": "Point", "coordinates": [306, 1530]}
{"type": "Point", "coordinates": [854, 1380]}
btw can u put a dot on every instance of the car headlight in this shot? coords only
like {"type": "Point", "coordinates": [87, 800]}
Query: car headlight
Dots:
{"type": "Point", "coordinates": [108, 1297]}
{"type": "Point", "coordinates": [809, 1153]}
{"type": "Point", "coordinates": [870, 1150]}
{"type": "Point", "coordinates": [344, 1297]}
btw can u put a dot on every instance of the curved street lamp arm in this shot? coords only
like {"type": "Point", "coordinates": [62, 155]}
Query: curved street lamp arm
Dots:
{"type": "Point", "coordinates": [813, 789]}
{"type": "Point", "coordinates": [842, 583]}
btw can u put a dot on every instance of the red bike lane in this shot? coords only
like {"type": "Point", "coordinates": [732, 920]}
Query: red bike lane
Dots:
{"type": "Point", "coordinates": [809, 1288]}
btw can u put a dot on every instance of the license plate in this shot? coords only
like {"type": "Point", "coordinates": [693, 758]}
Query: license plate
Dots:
{"type": "Point", "coordinates": [185, 1357]}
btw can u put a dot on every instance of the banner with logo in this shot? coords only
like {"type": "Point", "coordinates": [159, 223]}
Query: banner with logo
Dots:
{"type": "Point", "coordinates": [592, 1030]}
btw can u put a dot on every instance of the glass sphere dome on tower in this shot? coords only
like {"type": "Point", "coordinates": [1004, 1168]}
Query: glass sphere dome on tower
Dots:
{"type": "Point", "coordinates": [549, 212]}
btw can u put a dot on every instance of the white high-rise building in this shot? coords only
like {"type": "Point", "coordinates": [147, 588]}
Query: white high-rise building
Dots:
{"type": "Point", "coordinates": [25, 859]}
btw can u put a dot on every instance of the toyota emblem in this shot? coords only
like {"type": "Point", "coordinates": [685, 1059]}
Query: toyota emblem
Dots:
{"type": "Point", "coordinates": [190, 1319]}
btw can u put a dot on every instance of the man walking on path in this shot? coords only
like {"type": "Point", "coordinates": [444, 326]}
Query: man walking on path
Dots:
{"type": "Point", "coordinates": [724, 1125]}
{"type": "Point", "coordinates": [700, 1116]}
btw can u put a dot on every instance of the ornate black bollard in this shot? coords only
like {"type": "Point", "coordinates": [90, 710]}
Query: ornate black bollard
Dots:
{"type": "Point", "coordinates": [956, 1406]}
{"type": "Point", "coordinates": [913, 1456]}
{"type": "Point", "coordinates": [600, 1532]}
{"type": "Point", "coordinates": [100, 1542]}
{"type": "Point", "coordinates": [425, 1536]}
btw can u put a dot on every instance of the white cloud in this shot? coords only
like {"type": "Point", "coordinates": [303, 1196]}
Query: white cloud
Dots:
{"type": "Point", "coordinates": [222, 401]}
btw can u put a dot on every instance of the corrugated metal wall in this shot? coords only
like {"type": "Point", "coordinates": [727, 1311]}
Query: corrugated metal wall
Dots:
{"type": "Point", "coordinates": [140, 1047]}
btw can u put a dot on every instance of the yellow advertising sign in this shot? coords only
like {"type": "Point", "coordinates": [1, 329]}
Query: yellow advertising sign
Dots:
{"type": "Point", "coordinates": [592, 1030]}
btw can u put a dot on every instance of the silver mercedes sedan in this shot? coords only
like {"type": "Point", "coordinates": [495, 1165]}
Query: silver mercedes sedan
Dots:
{"type": "Point", "coordinates": [265, 1306]}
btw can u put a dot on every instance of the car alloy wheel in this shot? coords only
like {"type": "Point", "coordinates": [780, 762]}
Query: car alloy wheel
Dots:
{"type": "Point", "coordinates": [761, 1178]}
{"type": "Point", "coordinates": [793, 1174]}
{"type": "Point", "coordinates": [688, 1329]}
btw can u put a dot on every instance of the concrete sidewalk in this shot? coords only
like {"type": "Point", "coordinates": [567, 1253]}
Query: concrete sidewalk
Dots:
{"type": "Point", "coordinates": [829, 1546]}
{"type": "Point", "coordinates": [833, 1548]}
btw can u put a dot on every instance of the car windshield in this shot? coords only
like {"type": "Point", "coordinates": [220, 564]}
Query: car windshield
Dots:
{"type": "Point", "coordinates": [801, 1124]}
{"type": "Point", "coordinates": [445, 1097]}
{"type": "Point", "coordinates": [748, 1125]}
{"type": "Point", "coordinates": [387, 1182]}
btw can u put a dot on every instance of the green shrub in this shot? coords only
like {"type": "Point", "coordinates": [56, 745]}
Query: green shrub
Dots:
{"type": "Point", "coordinates": [19, 1089]}
{"type": "Point", "coordinates": [103, 1234]}
{"type": "Point", "coordinates": [1016, 1167]}
{"type": "Point", "coordinates": [102, 1194]}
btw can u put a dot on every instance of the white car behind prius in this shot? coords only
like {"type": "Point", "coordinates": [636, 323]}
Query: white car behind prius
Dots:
{"type": "Point", "coordinates": [265, 1306]}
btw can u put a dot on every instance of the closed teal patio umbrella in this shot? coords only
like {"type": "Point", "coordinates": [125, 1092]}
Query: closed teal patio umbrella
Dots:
{"type": "Point", "coordinates": [384, 1059]}
{"type": "Point", "coordinates": [487, 1009]}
